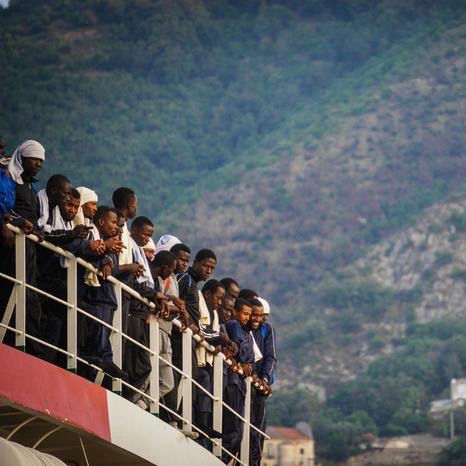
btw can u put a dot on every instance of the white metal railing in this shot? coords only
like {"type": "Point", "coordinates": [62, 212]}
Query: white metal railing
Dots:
{"type": "Point", "coordinates": [17, 302]}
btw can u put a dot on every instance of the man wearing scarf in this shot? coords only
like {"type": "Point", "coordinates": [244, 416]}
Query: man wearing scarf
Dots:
{"type": "Point", "coordinates": [87, 207]}
{"type": "Point", "coordinates": [18, 205]}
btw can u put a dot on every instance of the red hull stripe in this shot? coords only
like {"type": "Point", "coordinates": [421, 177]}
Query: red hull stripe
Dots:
{"type": "Point", "coordinates": [48, 390]}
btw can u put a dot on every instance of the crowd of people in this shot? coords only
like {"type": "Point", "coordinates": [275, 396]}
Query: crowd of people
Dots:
{"type": "Point", "coordinates": [118, 243]}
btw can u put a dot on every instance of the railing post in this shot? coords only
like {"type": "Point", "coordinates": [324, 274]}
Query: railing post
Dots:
{"type": "Point", "coordinates": [116, 337]}
{"type": "Point", "coordinates": [20, 289]}
{"type": "Point", "coordinates": [186, 383]}
{"type": "Point", "coordinates": [218, 398]}
{"type": "Point", "coordinates": [154, 385]}
{"type": "Point", "coordinates": [72, 299]}
{"type": "Point", "coordinates": [246, 428]}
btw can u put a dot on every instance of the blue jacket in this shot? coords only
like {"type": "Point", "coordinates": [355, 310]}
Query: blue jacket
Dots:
{"type": "Point", "coordinates": [265, 339]}
{"type": "Point", "coordinates": [241, 336]}
{"type": "Point", "coordinates": [7, 193]}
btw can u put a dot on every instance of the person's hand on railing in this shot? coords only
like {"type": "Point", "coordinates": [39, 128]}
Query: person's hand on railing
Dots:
{"type": "Point", "coordinates": [26, 226]}
{"type": "Point", "coordinates": [80, 232]}
{"type": "Point", "coordinates": [247, 369]}
{"type": "Point", "coordinates": [97, 247]}
{"type": "Point", "coordinates": [135, 269]}
{"type": "Point", "coordinates": [40, 235]}
{"type": "Point", "coordinates": [230, 350]}
{"type": "Point", "coordinates": [179, 303]}
{"type": "Point", "coordinates": [106, 268]}
{"type": "Point", "coordinates": [114, 245]}
{"type": "Point", "coordinates": [8, 236]}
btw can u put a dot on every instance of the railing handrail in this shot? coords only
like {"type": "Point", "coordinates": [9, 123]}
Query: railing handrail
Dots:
{"type": "Point", "coordinates": [134, 294]}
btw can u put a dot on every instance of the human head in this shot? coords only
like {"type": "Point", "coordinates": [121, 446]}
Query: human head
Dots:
{"type": "Point", "coordinates": [213, 292]}
{"type": "Point", "coordinates": [165, 262]}
{"type": "Point", "coordinates": [89, 201]}
{"type": "Point", "coordinates": [242, 311]}
{"type": "Point", "coordinates": [231, 286]}
{"type": "Point", "coordinates": [58, 189]}
{"type": "Point", "coordinates": [26, 161]}
{"type": "Point", "coordinates": [266, 306]}
{"type": "Point", "coordinates": [204, 263]}
{"type": "Point", "coordinates": [226, 309]}
{"type": "Point", "coordinates": [248, 294]}
{"type": "Point", "coordinates": [141, 230]}
{"type": "Point", "coordinates": [149, 250]}
{"type": "Point", "coordinates": [70, 207]}
{"type": "Point", "coordinates": [166, 242]}
{"type": "Point", "coordinates": [105, 219]}
{"type": "Point", "coordinates": [183, 255]}
{"type": "Point", "coordinates": [125, 201]}
{"type": "Point", "coordinates": [257, 313]}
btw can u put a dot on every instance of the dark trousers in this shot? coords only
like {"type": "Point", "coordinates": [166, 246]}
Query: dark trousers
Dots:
{"type": "Point", "coordinates": [33, 307]}
{"type": "Point", "coordinates": [203, 403]}
{"type": "Point", "coordinates": [54, 330]}
{"type": "Point", "coordinates": [95, 337]}
{"type": "Point", "coordinates": [232, 425]}
{"type": "Point", "coordinates": [258, 419]}
{"type": "Point", "coordinates": [136, 361]}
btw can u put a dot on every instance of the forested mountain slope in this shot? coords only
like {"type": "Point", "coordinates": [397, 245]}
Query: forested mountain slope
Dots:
{"type": "Point", "coordinates": [293, 137]}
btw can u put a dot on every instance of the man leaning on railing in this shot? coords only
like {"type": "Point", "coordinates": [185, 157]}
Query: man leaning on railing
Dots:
{"type": "Point", "coordinates": [18, 206]}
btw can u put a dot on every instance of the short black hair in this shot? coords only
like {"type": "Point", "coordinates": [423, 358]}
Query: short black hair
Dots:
{"type": "Point", "coordinates": [163, 259]}
{"type": "Point", "coordinates": [175, 249]}
{"type": "Point", "coordinates": [212, 285]}
{"type": "Point", "coordinates": [56, 181]}
{"type": "Point", "coordinates": [228, 281]}
{"type": "Point", "coordinates": [121, 197]}
{"type": "Point", "coordinates": [247, 294]}
{"type": "Point", "coordinates": [239, 303]}
{"type": "Point", "coordinates": [102, 212]}
{"type": "Point", "coordinates": [75, 194]}
{"type": "Point", "coordinates": [141, 221]}
{"type": "Point", "coordinates": [256, 302]}
{"type": "Point", "coordinates": [205, 254]}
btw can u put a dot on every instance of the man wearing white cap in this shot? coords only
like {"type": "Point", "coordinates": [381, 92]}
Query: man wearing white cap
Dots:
{"type": "Point", "coordinates": [87, 207]}
{"type": "Point", "coordinates": [18, 204]}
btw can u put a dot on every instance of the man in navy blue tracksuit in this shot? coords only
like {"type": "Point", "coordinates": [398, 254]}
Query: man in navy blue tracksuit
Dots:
{"type": "Point", "coordinates": [235, 390]}
{"type": "Point", "coordinates": [264, 336]}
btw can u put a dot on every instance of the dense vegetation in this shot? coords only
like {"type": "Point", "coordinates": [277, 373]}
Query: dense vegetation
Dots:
{"type": "Point", "coordinates": [391, 398]}
{"type": "Point", "coordinates": [307, 130]}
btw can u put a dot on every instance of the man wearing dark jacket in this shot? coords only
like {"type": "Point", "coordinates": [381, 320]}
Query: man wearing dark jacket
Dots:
{"type": "Point", "coordinates": [264, 337]}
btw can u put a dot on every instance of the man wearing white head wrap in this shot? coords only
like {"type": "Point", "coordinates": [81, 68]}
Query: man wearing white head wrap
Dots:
{"type": "Point", "coordinates": [18, 202]}
{"type": "Point", "coordinates": [88, 206]}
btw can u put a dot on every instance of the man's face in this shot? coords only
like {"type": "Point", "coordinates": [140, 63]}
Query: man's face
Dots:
{"type": "Point", "coordinates": [182, 261]}
{"type": "Point", "coordinates": [108, 225]}
{"type": "Point", "coordinates": [142, 234]}
{"type": "Point", "coordinates": [265, 317]}
{"type": "Point", "coordinates": [167, 270]}
{"type": "Point", "coordinates": [89, 209]}
{"type": "Point", "coordinates": [243, 315]}
{"type": "Point", "coordinates": [214, 300]}
{"type": "Point", "coordinates": [150, 254]}
{"type": "Point", "coordinates": [233, 290]}
{"type": "Point", "coordinates": [62, 193]}
{"type": "Point", "coordinates": [226, 309]}
{"type": "Point", "coordinates": [133, 207]}
{"type": "Point", "coordinates": [69, 209]}
{"type": "Point", "coordinates": [256, 317]}
{"type": "Point", "coordinates": [31, 165]}
{"type": "Point", "coordinates": [205, 268]}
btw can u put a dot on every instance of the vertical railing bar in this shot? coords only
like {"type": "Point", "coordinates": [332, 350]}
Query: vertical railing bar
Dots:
{"type": "Point", "coordinates": [154, 386]}
{"type": "Point", "coordinates": [116, 337]}
{"type": "Point", "coordinates": [8, 312]}
{"type": "Point", "coordinates": [244, 455]}
{"type": "Point", "coordinates": [20, 322]}
{"type": "Point", "coordinates": [72, 323]}
{"type": "Point", "coordinates": [217, 403]}
{"type": "Point", "coordinates": [185, 381]}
